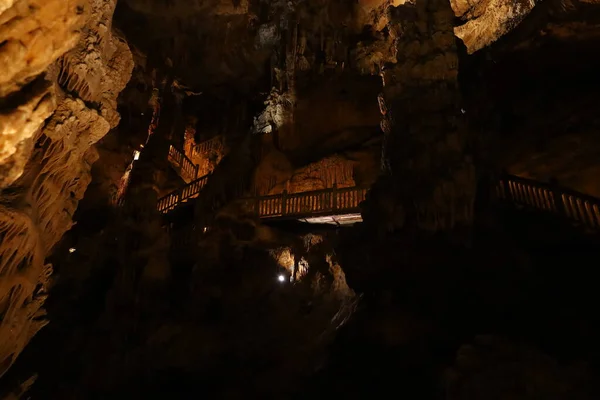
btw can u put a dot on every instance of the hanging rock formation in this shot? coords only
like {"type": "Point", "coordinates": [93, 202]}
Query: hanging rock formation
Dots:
{"type": "Point", "coordinates": [43, 185]}
{"type": "Point", "coordinates": [488, 20]}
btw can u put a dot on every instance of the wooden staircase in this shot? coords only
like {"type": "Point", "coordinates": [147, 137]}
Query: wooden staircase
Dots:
{"type": "Point", "coordinates": [182, 164]}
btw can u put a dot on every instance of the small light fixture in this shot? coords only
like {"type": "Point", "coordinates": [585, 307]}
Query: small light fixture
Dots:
{"type": "Point", "coordinates": [136, 155]}
{"type": "Point", "coordinates": [281, 278]}
{"type": "Point", "coordinates": [204, 229]}
{"type": "Point", "coordinates": [72, 250]}
{"type": "Point", "coordinates": [141, 146]}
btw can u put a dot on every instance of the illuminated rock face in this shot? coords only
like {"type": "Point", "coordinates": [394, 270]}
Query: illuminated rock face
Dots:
{"type": "Point", "coordinates": [43, 185]}
{"type": "Point", "coordinates": [275, 174]}
{"type": "Point", "coordinates": [487, 21]}
{"type": "Point", "coordinates": [31, 40]}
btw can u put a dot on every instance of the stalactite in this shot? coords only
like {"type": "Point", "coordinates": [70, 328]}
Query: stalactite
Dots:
{"type": "Point", "coordinates": [54, 180]}
{"type": "Point", "coordinates": [23, 270]}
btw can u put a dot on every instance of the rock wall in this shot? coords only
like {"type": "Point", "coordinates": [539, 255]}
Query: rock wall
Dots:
{"type": "Point", "coordinates": [52, 112]}
{"type": "Point", "coordinates": [275, 174]}
{"type": "Point", "coordinates": [430, 181]}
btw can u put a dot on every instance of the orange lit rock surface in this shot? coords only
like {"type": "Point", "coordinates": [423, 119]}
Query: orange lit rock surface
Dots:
{"type": "Point", "coordinates": [44, 198]}
{"type": "Point", "coordinates": [487, 21]}
{"type": "Point", "coordinates": [274, 176]}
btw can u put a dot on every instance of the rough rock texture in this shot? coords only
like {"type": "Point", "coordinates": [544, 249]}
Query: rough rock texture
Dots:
{"type": "Point", "coordinates": [430, 179]}
{"type": "Point", "coordinates": [315, 135]}
{"type": "Point", "coordinates": [525, 23]}
{"type": "Point", "coordinates": [220, 318]}
{"type": "Point", "coordinates": [488, 20]}
{"type": "Point", "coordinates": [38, 208]}
{"type": "Point", "coordinates": [33, 35]}
{"type": "Point", "coordinates": [184, 309]}
{"type": "Point", "coordinates": [219, 31]}
{"type": "Point", "coordinates": [174, 9]}
{"type": "Point", "coordinates": [275, 174]}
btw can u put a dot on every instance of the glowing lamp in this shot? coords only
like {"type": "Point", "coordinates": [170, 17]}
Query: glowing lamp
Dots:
{"type": "Point", "coordinates": [136, 155]}
{"type": "Point", "coordinates": [72, 250]}
{"type": "Point", "coordinates": [281, 278]}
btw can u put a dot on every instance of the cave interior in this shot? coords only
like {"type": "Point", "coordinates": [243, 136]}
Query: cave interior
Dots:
{"type": "Point", "coordinates": [265, 199]}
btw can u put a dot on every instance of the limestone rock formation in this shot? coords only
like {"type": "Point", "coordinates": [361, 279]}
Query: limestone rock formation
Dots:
{"type": "Point", "coordinates": [425, 157]}
{"type": "Point", "coordinates": [33, 33]}
{"type": "Point", "coordinates": [488, 20]}
{"type": "Point", "coordinates": [37, 208]}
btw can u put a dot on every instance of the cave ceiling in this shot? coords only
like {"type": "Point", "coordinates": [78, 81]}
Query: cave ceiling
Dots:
{"type": "Point", "coordinates": [223, 44]}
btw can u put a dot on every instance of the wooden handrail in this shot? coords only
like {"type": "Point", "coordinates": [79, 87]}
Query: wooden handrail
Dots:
{"type": "Point", "coordinates": [577, 207]}
{"type": "Point", "coordinates": [206, 146]}
{"type": "Point", "coordinates": [181, 195]}
{"type": "Point", "coordinates": [324, 201]}
{"type": "Point", "coordinates": [179, 160]}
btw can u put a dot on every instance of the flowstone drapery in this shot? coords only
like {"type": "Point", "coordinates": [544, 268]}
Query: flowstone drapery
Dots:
{"type": "Point", "coordinates": [37, 203]}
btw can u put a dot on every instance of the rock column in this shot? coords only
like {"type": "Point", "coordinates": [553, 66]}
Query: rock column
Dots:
{"type": "Point", "coordinates": [429, 180]}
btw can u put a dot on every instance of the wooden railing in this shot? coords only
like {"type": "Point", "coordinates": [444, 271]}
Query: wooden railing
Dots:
{"type": "Point", "coordinates": [181, 195]}
{"type": "Point", "coordinates": [581, 209]}
{"type": "Point", "coordinates": [332, 200]}
{"type": "Point", "coordinates": [206, 146]}
{"type": "Point", "coordinates": [187, 169]}
{"type": "Point", "coordinates": [326, 201]}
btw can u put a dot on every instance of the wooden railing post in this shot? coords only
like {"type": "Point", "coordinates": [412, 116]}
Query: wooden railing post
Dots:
{"type": "Point", "coordinates": [283, 201]}
{"type": "Point", "coordinates": [506, 186]}
{"type": "Point", "coordinates": [557, 197]}
{"type": "Point", "coordinates": [334, 197]}
{"type": "Point", "coordinates": [179, 196]}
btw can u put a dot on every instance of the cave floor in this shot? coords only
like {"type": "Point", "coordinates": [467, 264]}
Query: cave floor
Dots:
{"type": "Point", "coordinates": [529, 279]}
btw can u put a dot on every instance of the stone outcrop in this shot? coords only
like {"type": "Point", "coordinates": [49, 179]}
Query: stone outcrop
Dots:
{"type": "Point", "coordinates": [529, 22]}
{"type": "Point", "coordinates": [488, 20]}
{"type": "Point", "coordinates": [43, 184]}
